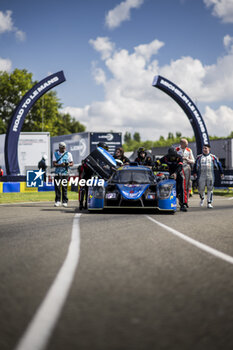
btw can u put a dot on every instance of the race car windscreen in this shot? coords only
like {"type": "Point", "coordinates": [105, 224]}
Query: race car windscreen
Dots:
{"type": "Point", "coordinates": [133, 177]}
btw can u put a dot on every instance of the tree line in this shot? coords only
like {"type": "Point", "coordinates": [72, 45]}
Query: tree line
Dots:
{"type": "Point", "coordinates": [43, 116]}
{"type": "Point", "coordinates": [132, 143]}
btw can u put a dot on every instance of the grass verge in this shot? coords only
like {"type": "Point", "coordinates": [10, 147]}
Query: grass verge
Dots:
{"type": "Point", "coordinates": [33, 197]}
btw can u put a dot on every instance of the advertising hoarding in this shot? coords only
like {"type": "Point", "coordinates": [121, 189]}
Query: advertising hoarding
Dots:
{"type": "Point", "coordinates": [82, 144]}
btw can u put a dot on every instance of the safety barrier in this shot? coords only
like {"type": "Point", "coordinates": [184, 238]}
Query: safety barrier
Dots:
{"type": "Point", "coordinates": [21, 187]}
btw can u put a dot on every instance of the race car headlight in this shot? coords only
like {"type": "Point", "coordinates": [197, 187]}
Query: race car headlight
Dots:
{"type": "Point", "coordinates": [98, 192]}
{"type": "Point", "coordinates": [165, 191]}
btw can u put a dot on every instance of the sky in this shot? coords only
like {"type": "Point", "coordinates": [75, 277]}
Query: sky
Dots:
{"type": "Point", "coordinates": [110, 51]}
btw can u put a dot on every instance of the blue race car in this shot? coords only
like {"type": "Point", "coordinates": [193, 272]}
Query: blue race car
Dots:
{"type": "Point", "coordinates": [131, 186]}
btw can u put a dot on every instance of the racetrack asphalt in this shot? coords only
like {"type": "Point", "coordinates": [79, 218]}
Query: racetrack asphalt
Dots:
{"type": "Point", "coordinates": [136, 286]}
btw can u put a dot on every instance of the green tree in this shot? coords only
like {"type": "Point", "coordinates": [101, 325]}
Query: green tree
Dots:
{"type": "Point", "coordinates": [127, 137]}
{"type": "Point", "coordinates": [12, 88]}
{"type": "Point", "coordinates": [137, 137]}
{"type": "Point", "coordinates": [148, 144]}
{"type": "Point", "coordinates": [68, 125]}
{"type": "Point", "coordinates": [170, 136]}
{"type": "Point", "coordinates": [44, 114]}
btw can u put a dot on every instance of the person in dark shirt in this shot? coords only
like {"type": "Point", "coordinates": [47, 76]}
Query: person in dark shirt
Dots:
{"type": "Point", "coordinates": [42, 165]}
{"type": "Point", "coordinates": [143, 158]}
{"type": "Point", "coordinates": [86, 173]}
{"type": "Point", "coordinates": [175, 168]}
{"type": "Point", "coordinates": [119, 154]}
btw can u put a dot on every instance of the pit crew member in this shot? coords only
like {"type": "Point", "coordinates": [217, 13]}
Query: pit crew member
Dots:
{"type": "Point", "coordinates": [175, 167]}
{"type": "Point", "coordinates": [188, 161]}
{"type": "Point", "coordinates": [119, 154]}
{"type": "Point", "coordinates": [86, 173]}
{"type": "Point", "coordinates": [204, 170]}
{"type": "Point", "coordinates": [143, 158]}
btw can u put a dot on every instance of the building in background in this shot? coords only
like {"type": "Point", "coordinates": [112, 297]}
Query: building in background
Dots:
{"type": "Point", "coordinates": [31, 147]}
{"type": "Point", "coordinates": [82, 144]}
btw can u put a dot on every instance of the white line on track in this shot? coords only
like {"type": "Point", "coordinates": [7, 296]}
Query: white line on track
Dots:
{"type": "Point", "coordinates": [43, 323]}
{"type": "Point", "coordinates": [192, 241]}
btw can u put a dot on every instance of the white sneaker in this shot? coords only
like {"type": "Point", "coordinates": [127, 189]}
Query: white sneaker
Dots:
{"type": "Point", "coordinates": [201, 202]}
{"type": "Point", "coordinates": [57, 204]}
{"type": "Point", "coordinates": [64, 204]}
{"type": "Point", "coordinates": [210, 206]}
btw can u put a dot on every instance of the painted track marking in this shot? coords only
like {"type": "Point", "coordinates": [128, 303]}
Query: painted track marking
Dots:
{"type": "Point", "coordinates": [43, 323]}
{"type": "Point", "coordinates": [192, 241]}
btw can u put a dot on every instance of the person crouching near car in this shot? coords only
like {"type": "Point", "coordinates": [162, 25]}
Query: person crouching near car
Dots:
{"type": "Point", "coordinates": [188, 162]}
{"type": "Point", "coordinates": [204, 171]}
{"type": "Point", "coordinates": [119, 154]}
{"type": "Point", "coordinates": [62, 160]}
{"type": "Point", "coordinates": [175, 168]}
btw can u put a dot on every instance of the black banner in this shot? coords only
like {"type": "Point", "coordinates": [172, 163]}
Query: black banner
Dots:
{"type": "Point", "coordinates": [227, 181]}
{"type": "Point", "coordinates": [16, 122]}
{"type": "Point", "coordinates": [185, 102]}
{"type": "Point", "coordinates": [112, 139]}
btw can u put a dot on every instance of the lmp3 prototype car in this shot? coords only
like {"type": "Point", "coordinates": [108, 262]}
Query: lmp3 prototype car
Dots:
{"type": "Point", "coordinates": [130, 186]}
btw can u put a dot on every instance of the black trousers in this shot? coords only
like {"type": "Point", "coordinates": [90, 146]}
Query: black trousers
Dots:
{"type": "Point", "coordinates": [61, 188]}
{"type": "Point", "coordinates": [181, 188]}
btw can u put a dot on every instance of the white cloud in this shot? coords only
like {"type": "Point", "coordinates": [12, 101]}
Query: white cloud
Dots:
{"type": "Point", "coordinates": [121, 13]}
{"type": "Point", "coordinates": [99, 75]}
{"type": "Point", "coordinates": [186, 72]}
{"type": "Point", "coordinates": [228, 43]}
{"type": "Point", "coordinates": [21, 36]}
{"type": "Point", "coordinates": [222, 9]}
{"type": "Point", "coordinates": [5, 65]}
{"type": "Point", "coordinates": [148, 50]}
{"type": "Point", "coordinates": [132, 104]}
{"type": "Point", "coordinates": [219, 122]}
{"type": "Point", "coordinates": [103, 45]}
{"type": "Point", "coordinates": [7, 25]}
{"type": "Point", "coordinates": [80, 114]}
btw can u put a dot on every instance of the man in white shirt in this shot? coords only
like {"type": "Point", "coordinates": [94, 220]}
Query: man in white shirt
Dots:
{"type": "Point", "coordinates": [188, 161]}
